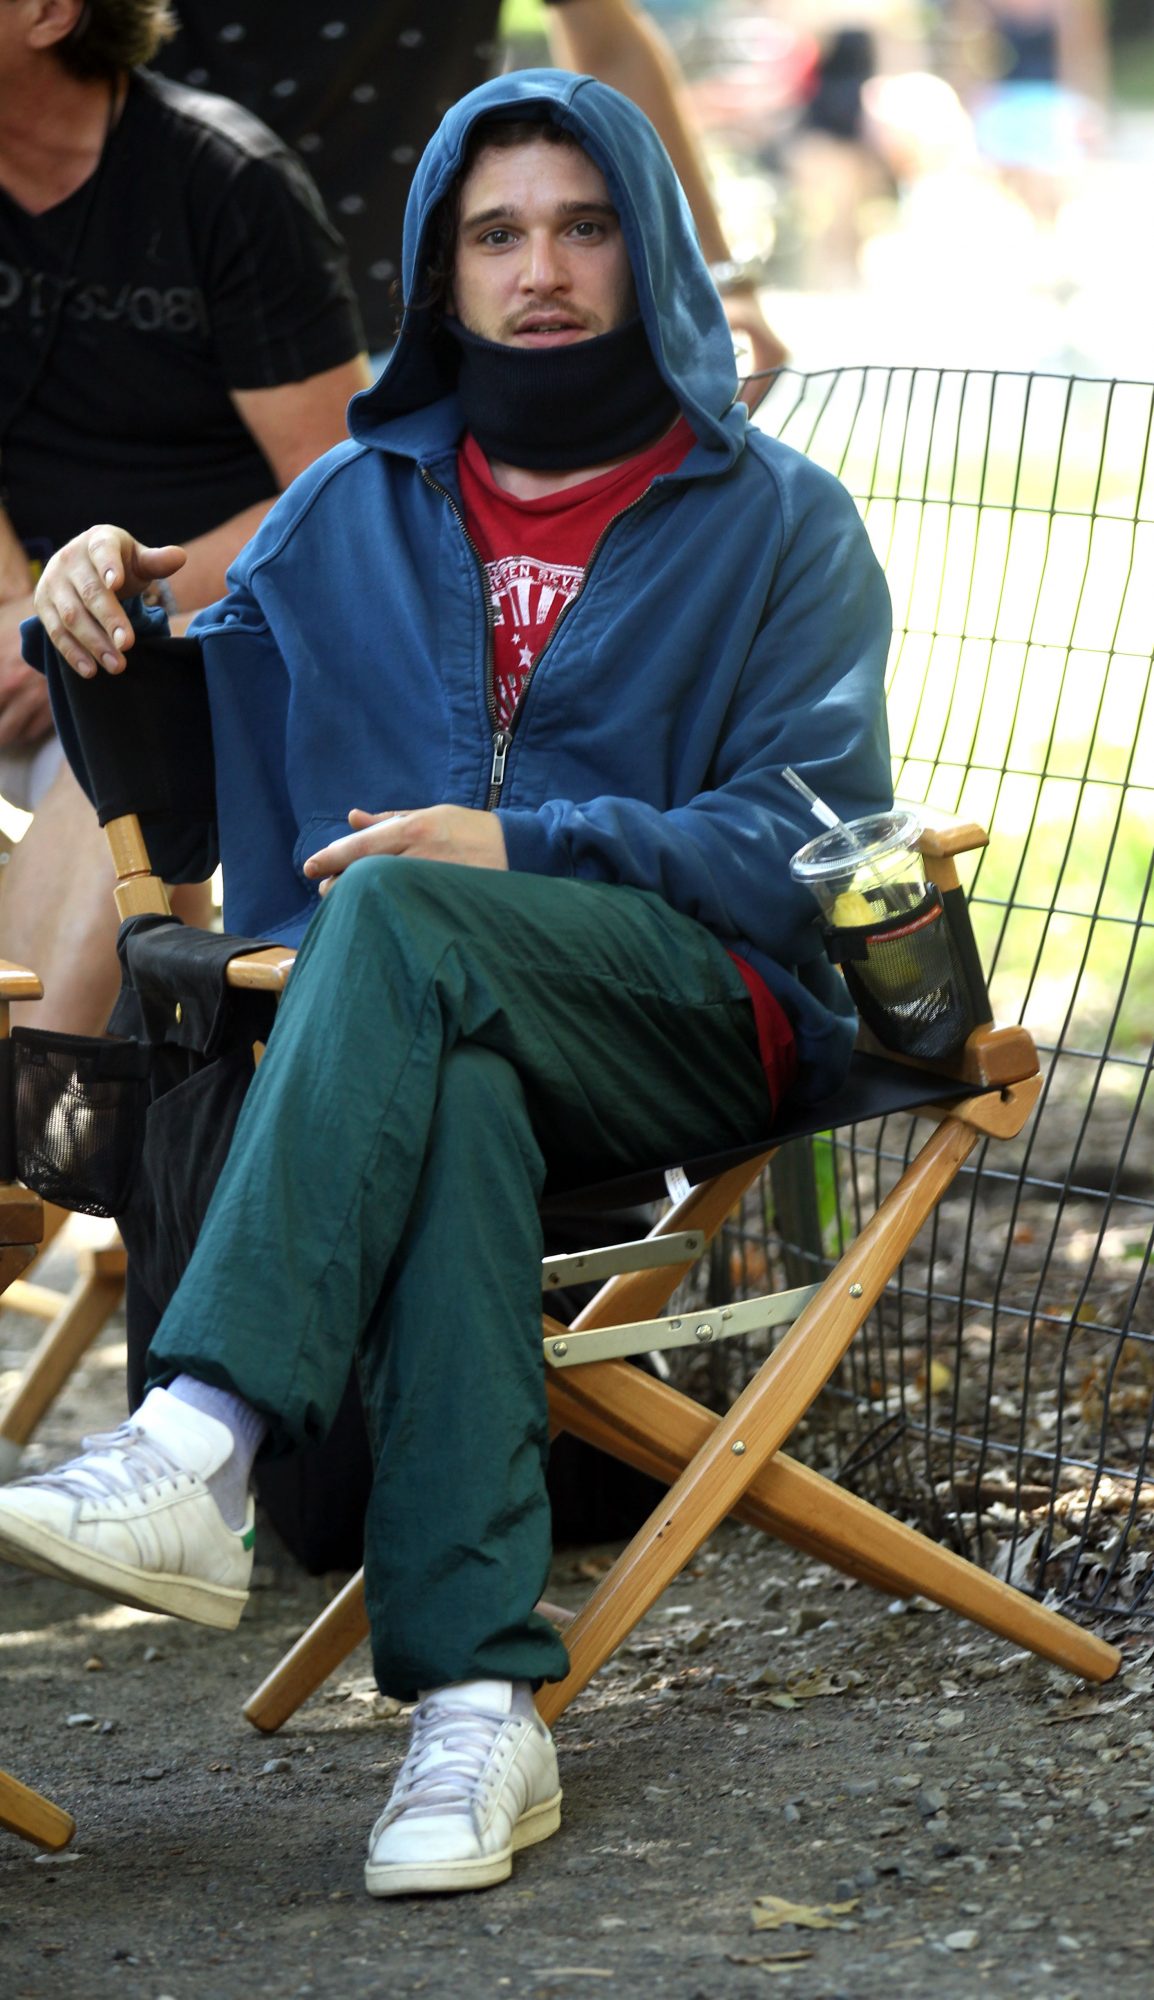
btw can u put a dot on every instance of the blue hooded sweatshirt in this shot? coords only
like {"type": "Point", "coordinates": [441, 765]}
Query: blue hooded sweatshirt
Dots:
{"type": "Point", "coordinates": [731, 622]}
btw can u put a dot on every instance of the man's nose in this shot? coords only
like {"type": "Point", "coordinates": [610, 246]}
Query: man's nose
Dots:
{"type": "Point", "coordinates": [545, 268]}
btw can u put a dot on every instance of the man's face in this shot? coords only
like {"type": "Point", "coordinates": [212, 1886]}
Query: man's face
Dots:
{"type": "Point", "coordinates": [540, 260]}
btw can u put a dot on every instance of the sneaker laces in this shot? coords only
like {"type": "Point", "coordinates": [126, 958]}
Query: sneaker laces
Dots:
{"type": "Point", "coordinates": [449, 1760]}
{"type": "Point", "coordinates": [113, 1463]}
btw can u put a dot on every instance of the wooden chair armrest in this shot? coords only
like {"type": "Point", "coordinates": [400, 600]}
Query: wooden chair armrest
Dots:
{"type": "Point", "coordinates": [950, 836]}
{"type": "Point", "coordinates": [21, 1221]}
{"type": "Point", "coordinates": [264, 971]}
{"type": "Point", "coordinates": [989, 1058]}
{"type": "Point", "coordinates": [17, 983]}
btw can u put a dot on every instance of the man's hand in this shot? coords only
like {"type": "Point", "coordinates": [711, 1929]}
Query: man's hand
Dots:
{"type": "Point", "coordinates": [78, 598]}
{"type": "Point", "coordinates": [748, 322]}
{"type": "Point", "coordinates": [431, 833]}
{"type": "Point", "coordinates": [25, 710]}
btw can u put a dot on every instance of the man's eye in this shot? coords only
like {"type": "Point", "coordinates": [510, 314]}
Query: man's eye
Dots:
{"type": "Point", "coordinates": [588, 229]}
{"type": "Point", "coordinates": [497, 238]}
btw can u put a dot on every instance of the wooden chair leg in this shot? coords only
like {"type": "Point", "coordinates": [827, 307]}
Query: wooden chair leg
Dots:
{"type": "Point", "coordinates": [810, 1512]}
{"type": "Point", "coordinates": [770, 1503]}
{"type": "Point", "coordinates": [660, 1431]}
{"type": "Point", "coordinates": [786, 1500]}
{"type": "Point", "coordinates": [637, 1294]}
{"type": "Point", "coordinates": [82, 1314]}
{"type": "Point", "coordinates": [746, 1439]}
{"type": "Point", "coordinates": [318, 1653]}
{"type": "Point", "coordinates": [32, 1816]}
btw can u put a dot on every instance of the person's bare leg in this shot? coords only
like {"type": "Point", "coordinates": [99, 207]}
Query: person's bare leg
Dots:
{"type": "Point", "coordinates": [58, 916]}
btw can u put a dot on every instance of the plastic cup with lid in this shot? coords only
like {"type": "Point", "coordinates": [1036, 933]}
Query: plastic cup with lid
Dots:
{"type": "Point", "coordinates": [865, 869]}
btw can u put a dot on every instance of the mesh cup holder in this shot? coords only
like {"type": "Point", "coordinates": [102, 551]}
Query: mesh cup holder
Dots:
{"type": "Point", "coordinates": [79, 1107]}
{"type": "Point", "coordinates": [907, 980]}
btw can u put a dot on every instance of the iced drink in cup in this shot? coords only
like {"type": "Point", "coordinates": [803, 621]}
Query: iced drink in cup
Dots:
{"type": "Point", "coordinates": [865, 869]}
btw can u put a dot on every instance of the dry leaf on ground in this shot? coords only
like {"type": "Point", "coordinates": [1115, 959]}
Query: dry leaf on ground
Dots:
{"type": "Point", "coordinates": [776, 1961]}
{"type": "Point", "coordinates": [807, 1687]}
{"type": "Point", "coordinates": [771, 1913]}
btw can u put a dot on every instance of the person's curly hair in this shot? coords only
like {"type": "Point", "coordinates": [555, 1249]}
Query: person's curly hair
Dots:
{"type": "Point", "coordinates": [114, 35]}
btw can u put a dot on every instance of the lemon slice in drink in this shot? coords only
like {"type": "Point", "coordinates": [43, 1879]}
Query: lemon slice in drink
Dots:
{"type": "Point", "coordinates": [852, 909]}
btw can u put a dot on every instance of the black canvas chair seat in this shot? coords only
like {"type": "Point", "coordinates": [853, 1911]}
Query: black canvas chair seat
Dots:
{"type": "Point", "coordinates": [874, 1088]}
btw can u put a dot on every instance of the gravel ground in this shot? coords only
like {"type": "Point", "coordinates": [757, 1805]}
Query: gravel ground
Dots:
{"type": "Point", "coordinates": [965, 1819]}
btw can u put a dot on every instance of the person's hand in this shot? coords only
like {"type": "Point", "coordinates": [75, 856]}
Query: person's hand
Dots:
{"type": "Point", "coordinates": [747, 322]}
{"type": "Point", "coordinates": [431, 833]}
{"type": "Point", "coordinates": [15, 574]}
{"type": "Point", "coordinates": [25, 710]}
{"type": "Point", "coordinates": [78, 598]}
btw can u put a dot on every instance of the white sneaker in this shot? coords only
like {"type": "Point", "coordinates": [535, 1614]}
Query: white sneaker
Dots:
{"type": "Point", "coordinates": [133, 1519]}
{"type": "Point", "coordinates": [479, 1782]}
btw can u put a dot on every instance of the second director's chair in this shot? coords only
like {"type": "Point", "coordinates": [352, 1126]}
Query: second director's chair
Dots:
{"type": "Point", "coordinates": [131, 740]}
{"type": "Point", "coordinates": [73, 1321]}
{"type": "Point", "coordinates": [22, 1810]}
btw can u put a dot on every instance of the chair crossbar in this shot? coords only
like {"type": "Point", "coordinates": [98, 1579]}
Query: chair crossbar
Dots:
{"type": "Point", "coordinates": [693, 1329]}
{"type": "Point", "coordinates": [580, 1267]}
{"type": "Point", "coordinates": [742, 1445]}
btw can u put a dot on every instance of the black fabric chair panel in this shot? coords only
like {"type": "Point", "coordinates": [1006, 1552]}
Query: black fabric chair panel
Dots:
{"type": "Point", "coordinates": [874, 1088]}
{"type": "Point", "coordinates": [141, 742]}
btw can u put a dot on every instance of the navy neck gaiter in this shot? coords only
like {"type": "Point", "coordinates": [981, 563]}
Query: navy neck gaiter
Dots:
{"type": "Point", "coordinates": [584, 404]}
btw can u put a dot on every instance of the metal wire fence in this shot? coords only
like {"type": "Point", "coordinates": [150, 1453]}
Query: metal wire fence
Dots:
{"type": "Point", "coordinates": [1003, 1394]}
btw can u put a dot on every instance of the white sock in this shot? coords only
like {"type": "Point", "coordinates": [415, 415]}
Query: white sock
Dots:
{"type": "Point", "coordinates": [229, 1486]}
{"type": "Point", "coordinates": [493, 1696]}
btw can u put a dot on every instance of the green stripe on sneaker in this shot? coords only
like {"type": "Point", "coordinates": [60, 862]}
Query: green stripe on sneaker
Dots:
{"type": "Point", "coordinates": [248, 1538]}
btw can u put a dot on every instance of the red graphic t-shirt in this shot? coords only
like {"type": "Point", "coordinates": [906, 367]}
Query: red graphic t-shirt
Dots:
{"type": "Point", "coordinates": [535, 554]}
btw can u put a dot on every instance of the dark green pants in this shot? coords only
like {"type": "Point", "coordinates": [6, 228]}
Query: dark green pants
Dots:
{"type": "Point", "coordinates": [448, 1035]}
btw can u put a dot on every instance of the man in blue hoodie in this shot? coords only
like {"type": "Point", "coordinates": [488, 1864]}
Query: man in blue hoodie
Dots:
{"type": "Point", "coordinates": [506, 685]}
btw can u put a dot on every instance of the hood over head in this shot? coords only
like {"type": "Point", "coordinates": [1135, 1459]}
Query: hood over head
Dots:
{"type": "Point", "coordinates": [680, 308]}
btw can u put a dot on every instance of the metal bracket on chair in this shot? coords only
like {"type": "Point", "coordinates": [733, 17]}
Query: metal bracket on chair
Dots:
{"type": "Point", "coordinates": [581, 1267]}
{"type": "Point", "coordinates": [692, 1329]}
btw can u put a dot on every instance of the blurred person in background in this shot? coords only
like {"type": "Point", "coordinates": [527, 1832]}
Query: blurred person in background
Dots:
{"type": "Point", "coordinates": [835, 167]}
{"type": "Point", "coordinates": [1034, 75]}
{"type": "Point", "coordinates": [176, 320]}
{"type": "Point", "coordinates": [358, 87]}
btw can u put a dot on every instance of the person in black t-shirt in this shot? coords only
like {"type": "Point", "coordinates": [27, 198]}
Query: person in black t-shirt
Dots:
{"type": "Point", "coordinates": [178, 339]}
{"type": "Point", "coordinates": [358, 86]}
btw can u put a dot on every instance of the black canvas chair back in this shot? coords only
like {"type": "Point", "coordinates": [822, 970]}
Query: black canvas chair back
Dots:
{"type": "Point", "coordinates": [140, 743]}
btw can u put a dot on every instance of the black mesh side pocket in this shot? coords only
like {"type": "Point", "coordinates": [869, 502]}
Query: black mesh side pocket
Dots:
{"type": "Point", "coordinates": [907, 980]}
{"type": "Point", "coordinates": [79, 1106]}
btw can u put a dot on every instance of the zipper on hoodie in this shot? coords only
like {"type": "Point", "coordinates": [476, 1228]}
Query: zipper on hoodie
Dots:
{"type": "Point", "coordinates": [502, 738]}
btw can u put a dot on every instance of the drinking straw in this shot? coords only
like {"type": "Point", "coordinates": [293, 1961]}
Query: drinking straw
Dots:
{"type": "Point", "coordinates": [818, 807]}
{"type": "Point", "coordinates": [829, 818]}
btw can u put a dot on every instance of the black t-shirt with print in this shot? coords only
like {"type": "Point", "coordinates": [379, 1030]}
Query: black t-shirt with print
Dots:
{"type": "Point", "coordinates": [358, 87]}
{"type": "Point", "coordinates": [200, 261]}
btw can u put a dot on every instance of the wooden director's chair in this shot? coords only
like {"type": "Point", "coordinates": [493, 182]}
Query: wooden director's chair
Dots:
{"type": "Point", "coordinates": [121, 745]}
{"type": "Point", "coordinates": [73, 1320]}
{"type": "Point", "coordinates": [22, 1810]}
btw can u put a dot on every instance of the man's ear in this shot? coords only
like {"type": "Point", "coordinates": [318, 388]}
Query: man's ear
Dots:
{"type": "Point", "coordinates": [53, 21]}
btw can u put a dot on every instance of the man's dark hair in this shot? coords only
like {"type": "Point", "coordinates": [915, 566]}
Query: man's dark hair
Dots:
{"type": "Point", "coordinates": [114, 35]}
{"type": "Point", "coordinates": [504, 133]}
